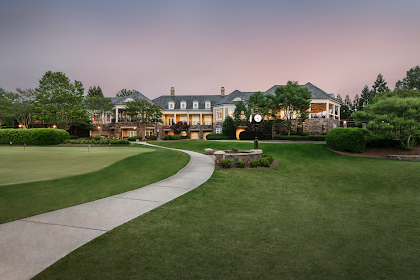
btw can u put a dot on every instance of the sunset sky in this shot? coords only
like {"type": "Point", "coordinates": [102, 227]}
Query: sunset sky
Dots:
{"type": "Point", "coordinates": [198, 46]}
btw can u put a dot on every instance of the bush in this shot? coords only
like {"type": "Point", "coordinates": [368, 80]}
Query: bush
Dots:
{"type": "Point", "coordinates": [254, 163]}
{"type": "Point", "coordinates": [228, 128]}
{"type": "Point", "coordinates": [172, 137]}
{"type": "Point", "coordinates": [226, 163]}
{"type": "Point", "coordinates": [240, 164]}
{"type": "Point", "coordinates": [381, 142]}
{"type": "Point", "coordinates": [264, 162]}
{"type": "Point", "coordinates": [35, 136]}
{"type": "Point", "coordinates": [133, 138]}
{"type": "Point", "coordinates": [96, 138]}
{"type": "Point", "coordinates": [300, 138]}
{"type": "Point", "coordinates": [216, 136]}
{"type": "Point", "coordinates": [153, 137]}
{"type": "Point", "coordinates": [184, 137]}
{"type": "Point", "coordinates": [269, 157]}
{"type": "Point", "coordinates": [74, 137]}
{"type": "Point", "coordinates": [346, 139]}
{"type": "Point", "coordinates": [268, 137]}
{"type": "Point", "coordinates": [250, 135]}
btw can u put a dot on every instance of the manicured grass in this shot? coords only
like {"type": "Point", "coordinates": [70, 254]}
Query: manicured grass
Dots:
{"type": "Point", "coordinates": [37, 163]}
{"type": "Point", "coordinates": [146, 166]}
{"type": "Point", "coordinates": [319, 215]}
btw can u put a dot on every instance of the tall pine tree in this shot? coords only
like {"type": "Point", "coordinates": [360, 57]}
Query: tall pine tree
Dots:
{"type": "Point", "coordinates": [379, 87]}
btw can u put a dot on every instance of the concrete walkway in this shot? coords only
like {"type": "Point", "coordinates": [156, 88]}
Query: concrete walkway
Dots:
{"type": "Point", "coordinates": [30, 245]}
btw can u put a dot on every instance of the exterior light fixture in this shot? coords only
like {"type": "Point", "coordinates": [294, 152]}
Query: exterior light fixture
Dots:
{"type": "Point", "coordinates": [98, 127]}
{"type": "Point", "coordinates": [20, 126]}
{"type": "Point", "coordinates": [54, 126]}
{"type": "Point", "coordinates": [344, 122]}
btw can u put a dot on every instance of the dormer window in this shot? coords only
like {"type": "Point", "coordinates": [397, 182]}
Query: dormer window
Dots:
{"type": "Point", "coordinates": [183, 104]}
{"type": "Point", "coordinates": [195, 104]}
{"type": "Point", "coordinates": [208, 104]}
{"type": "Point", "coordinates": [171, 105]}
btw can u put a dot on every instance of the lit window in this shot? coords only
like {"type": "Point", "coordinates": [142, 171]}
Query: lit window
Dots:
{"type": "Point", "coordinates": [171, 105]}
{"type": "Point", "coordinates": [183, 104]}
{"type": "Point", "coordinates": [195, 105]}
{"type": "Point", "coordinates": [218, 130]}
{"type": "Point", "coordinates": [208, 104]}
{"type": "Point", "coordinates": [219, 115]}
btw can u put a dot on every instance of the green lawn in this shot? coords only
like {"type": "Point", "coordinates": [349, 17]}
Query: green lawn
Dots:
{"type": "Point", "coordinates": [319, 215]}
{"type": "Point", "coordinates": [138, 166]}
{"type": "Point", "coordinates": [37, 163]}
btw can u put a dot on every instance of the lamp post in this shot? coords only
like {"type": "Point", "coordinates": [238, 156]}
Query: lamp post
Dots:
{"type": "Point", "coordinates": [256, 119]}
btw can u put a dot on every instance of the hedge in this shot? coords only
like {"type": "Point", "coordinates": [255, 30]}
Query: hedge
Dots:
{"type": "Point", "coordinates": [300, 138]}
{"type": "Point", "coordinates": [171, 137]}
{"type": "Point", "coordinates": [216, 136]}
{"type": "Point", "coordinates": [250, 135]}
{"type": "Point", "coordinates": [346, 139]}
{"type": "Point", "coordinates": [34, 136]}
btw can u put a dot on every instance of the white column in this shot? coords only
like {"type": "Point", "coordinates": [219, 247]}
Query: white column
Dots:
{"type": "Point", "coordinates": [224, 111]}
{"type": "Point", "coordinates": [116, 114]}
{"type": "Point", "coordinates": [334, 110]}
{"type": "Point", "coordinates": [188, 118]}
{"type": "Point", "coordinates": [339, 113]}
{"type": "Point", "coordinates": [201, 118]}
{"type": "Point", "coordinates": [328, 110]}
{"type": "Point", "coordinates": [174, 118]}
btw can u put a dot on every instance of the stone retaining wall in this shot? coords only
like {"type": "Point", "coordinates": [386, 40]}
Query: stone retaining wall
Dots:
{"type": "Point", "coordinates": [405, 157]}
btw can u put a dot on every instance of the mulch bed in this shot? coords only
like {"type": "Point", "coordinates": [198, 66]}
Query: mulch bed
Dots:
{"type": "Point", "coordinates": [380, 152]}
{"type": "Point", "coordinates": [274, 164]}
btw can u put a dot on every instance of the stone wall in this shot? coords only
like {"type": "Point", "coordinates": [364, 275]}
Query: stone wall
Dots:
{"type": "Point", "coordinates": [245, 156]}
{"type": "Point", "coordinates": [319, 125]}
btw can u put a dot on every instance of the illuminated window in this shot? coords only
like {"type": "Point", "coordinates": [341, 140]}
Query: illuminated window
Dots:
{"type": "Point", "coordinates": [171, 105]}
{"type": "Point", "coordinates": [183, 104]}
{"type": "Point", "coordinates": [219, 115]}
{"type": "Point", "coordinates": [195, 105]}
{"type": "Point", "coordinates": [208, 103]}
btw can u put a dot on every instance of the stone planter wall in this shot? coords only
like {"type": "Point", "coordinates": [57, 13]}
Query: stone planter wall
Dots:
{"type": "Point", "coordinates": [245, 156]}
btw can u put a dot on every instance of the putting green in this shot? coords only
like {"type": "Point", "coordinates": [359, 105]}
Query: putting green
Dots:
{"type": "Point", "coordinates": [44, 163]}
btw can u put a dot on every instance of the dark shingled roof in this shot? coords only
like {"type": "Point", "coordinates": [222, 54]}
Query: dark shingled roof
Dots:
{"type": "Point", "coordinates": [162, 101]}
{"type": "Point", "coordinates": [134, 95]}
{"type": "Point", "coordinates": [228, 99]}
{"type": "Point", "coordinates": [317, 93]}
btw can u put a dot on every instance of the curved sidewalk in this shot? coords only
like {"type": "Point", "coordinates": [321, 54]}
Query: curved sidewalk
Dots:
{"type": "Point", "coordinates": [30, 245]}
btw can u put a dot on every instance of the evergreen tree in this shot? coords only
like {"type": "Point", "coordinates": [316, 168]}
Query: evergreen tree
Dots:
{"type": "Point", "coordinates": [345, 109]}
{"type": "Point", "coordinates": [365, 97]}
{"type": "Point", "coordinates": [95, 91]}
{"type": "Point", "coordinates": [355, 104]}
{"type": "Point", "coordinates": [125, 92]}
{"type": "Point", "coordinates": [411, 81]}
{"type": "Point", "coordinates": [229, 128]}
{"type": "Point", "coordinates": [379, 87]}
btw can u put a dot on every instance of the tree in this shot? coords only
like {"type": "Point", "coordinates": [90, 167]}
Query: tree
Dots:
{"type": "Point", "coordinates": [95, 91]}
{"type": "Point", "coordinates": [125, 92]}
{"type": "Point", "coordinates": [411, 81]}
{"type": "Point", "coordinates": [393, 117]}
{"type": "Point", "coordinates": [295, 101]}
{"type": "Point", "coordinates": [365, 97]}
{"type": "Point", "coordinates": [59, 101]}
{"type": "Point", "coordinates": [23, 106]}
{"type": "Point", "coordinates": [241, 114]}
{"type": "Point", "coordinates": [346, 108]}
{"type": "Point", "coordinates": [379, 87]}
{"type": "Point", "coordinates": [99, 107]}
{"type": "Point", "coordinates": [144, 112]}
{"type": "Point", "coordinates": [228, 128]}
{"type": "Point", "coordinates": [6, 112]}
{"type": "Point", "coordinates": [355, 104]}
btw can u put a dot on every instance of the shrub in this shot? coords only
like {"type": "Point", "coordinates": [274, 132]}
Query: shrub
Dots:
{"type": "Point", "coordinates": [346, 139]}
{"type": "Point", "coordinates": [172, 137]}
{"type": "Point", "coordinates": [268, 137]}
{"type": "Point", "coordinates": [381, 142]}
{"type": "Point", "coordinates": [254, 163]}
{"type": "Point", "coordinates": [269, 157]}
{"type": "Point", "coordinates": [300, 138]}
{"type": "Point", "coordinates": [133, 138]}
{"type": "Point", "coordinates": [96, 138]}
{"type": "Point", "coordinates": [250, 135]}
{"type": "Point", "coordinates": [228, 128]}
{"type": "Point", "coordinates": [240, 164]}
{"type": "Point", "coordinates": [305, 134]}
{"type": "Point", "coordinates": [264, 162]}
{"type": "Point", "coordinates": [35, 136]}
{"type": "Point", "coordinates": [216, 136]}
{"type": "Point", "coordinates": [74, 137]}
{"type": "Point", "coordinates": [226, 163]}
{"type": "Point", "coordinates": [184, 137]}
{"type": "Point", "coordinates": [153, 137]}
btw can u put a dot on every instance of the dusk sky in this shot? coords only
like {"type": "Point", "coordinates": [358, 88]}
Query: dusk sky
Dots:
{"type": "Point", "coordinates": [198, 46]}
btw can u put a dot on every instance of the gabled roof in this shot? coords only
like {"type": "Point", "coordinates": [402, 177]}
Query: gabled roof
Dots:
{"type": "Point", "coordinates": [229, 99]}
{"type": "Point", "coordinates": [317, 93]}
{"type": "Point", "coordinates": [134, 95]}
{"type": "Point", "coordinates": [162, 101]}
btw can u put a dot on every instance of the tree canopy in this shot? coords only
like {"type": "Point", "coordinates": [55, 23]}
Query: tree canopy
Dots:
{"type": "Point", "coordinates": [59, 101]}
{"type": "Point", "coordinates": [6, 112]}
{"type": "Point", "coordinates": [98, 105]}
{"type": "Point", "coordinates": [125, 92]}
{"type": "Point", "coordinates": [241, 114]}
{"type": "Point", "coordinates": [393, 117]}
{"type": "Point", "coordinates": [411, 81]}
{"type": "Point", "coordinates": [95, 91]}
{"type": "Point", "coordinates": [295, 101]}
{"type": "Point", "coordinates": [143, 111]}
{"type": "Point", "coordinates": [228, 128]}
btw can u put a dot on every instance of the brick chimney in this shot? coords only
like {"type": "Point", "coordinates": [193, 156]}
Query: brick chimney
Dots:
{"type": "Point", "coordinates": [172, 91]}
{"type": "Point", "coordinates": [223, 91]}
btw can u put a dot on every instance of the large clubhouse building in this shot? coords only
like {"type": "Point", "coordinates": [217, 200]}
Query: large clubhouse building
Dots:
{"type": "Point", "coordinates": [204, 114]}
